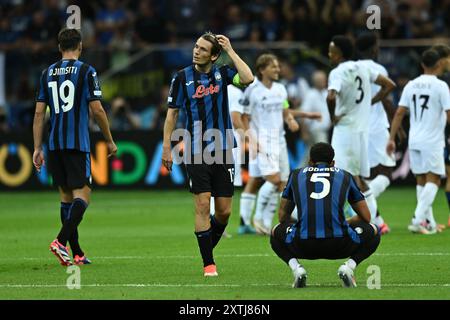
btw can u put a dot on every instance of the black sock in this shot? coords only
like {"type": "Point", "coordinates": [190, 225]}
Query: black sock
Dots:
{"type": "Point", "coordinates": [73, 241]}
{"type": "Point", "coordinates": [205, 245]}
{"type": "Point", "coordinates": [217, 230]}
{"type": "Point", "coordinates": [74, 218]}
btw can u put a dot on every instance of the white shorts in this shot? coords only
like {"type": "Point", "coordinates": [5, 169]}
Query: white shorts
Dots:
{"type": "Point", "coordinates": [237, 167]}
{"type": "Point", "coordinates": [427, 160]}
{"type": "Point", "coordinates": [351, 151]}
{"type": "Point", "coordinates": [378, 141]}
{"type": "Point", "coordinates": [267, 164]}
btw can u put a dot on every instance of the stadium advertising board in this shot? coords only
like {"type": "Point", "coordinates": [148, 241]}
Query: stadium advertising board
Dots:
{"type": "Point", "coordinates": [137, 164]}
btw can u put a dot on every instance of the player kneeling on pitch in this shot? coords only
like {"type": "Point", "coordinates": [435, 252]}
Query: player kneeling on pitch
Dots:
{"type": "Point", "coordinates": [320, 191]}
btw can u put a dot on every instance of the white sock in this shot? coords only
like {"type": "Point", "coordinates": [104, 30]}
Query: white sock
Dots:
{"type": "Point", "coordinates": [271, 208]}
{"type": "Point", "coordinates": [293, 263]}
{"type": "Point", "coordinates": [379, 221]}
{"type": "Point", "coordinates": [351, 264]}
{"type": "Point", "coordinates": [212, 206]}
{"type": "Point", "coordinates": [264, 195]}
{"type": "Point", "coordinates": [247, 203]}
{"type": "Point", "coordinates": [379, 184]}
{"type": "Point", "coordinates": [429, 216]}
{"type": "Point", "coordinates": [372, 204]}
{"type": "Point", "coordinates": [425, 202]}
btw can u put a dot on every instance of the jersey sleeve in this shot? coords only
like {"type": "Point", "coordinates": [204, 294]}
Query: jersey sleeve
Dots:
{"type": "Point", "coordinates": [234, 100]}
{"type": "Point", "coordinates": [93, 85]}
{"type": "Point", "coordinates": [245, 101]}
{"type": "Point", "coordinates": [41, 93]}
{"type": "Point", "coordinates": [284, 95]}
{"type": "Point", "coordinates": [288, 192]}
{"type": "Point", "coordinates": [354, 194]}
{"type": "Point", "coordinates": [404, 99]}
{"type": "Point", "coordinates": [373, 74]}
{"type": "Point", "coordinates": [334, 81]}
{"type": "Point", "coordinates": [175, 99]}
{"type": "Point", "coordinates": [445, 97]}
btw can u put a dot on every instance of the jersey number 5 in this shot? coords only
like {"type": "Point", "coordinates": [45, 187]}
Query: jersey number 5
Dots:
{"type": "Point", "coordinates": [66, 93]}
{"type": "Point", "coordinates": [321, 177]}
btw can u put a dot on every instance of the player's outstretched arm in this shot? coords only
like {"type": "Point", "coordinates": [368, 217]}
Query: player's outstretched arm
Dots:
{"type": "Point", "coordinates": [396, 123]}
{"type": "Point", "coordinates": [100, 117]}
{"type": "Point", "coordinates": [244, 71]}
{"type": "Point", "coordinates": [387, 85]}
{"type": "Point", "coordinates": [307, 115]}
{"type": "Point", "coordinates": [38, 129]}
{"type": "Point", "coordinates": [169, 126]}
{"type": "Point", "coordinates": [286, 208]}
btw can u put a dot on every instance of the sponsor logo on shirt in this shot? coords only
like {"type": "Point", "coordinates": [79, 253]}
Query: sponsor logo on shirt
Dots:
{"type": "Point", "coordinates": [205, 91]}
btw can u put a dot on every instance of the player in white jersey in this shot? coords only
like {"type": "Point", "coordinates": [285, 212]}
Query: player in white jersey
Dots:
{"type": "Point", "coordinates": [444, 54]}
{"type": "Point", "coordinates": [267, 105]}
{"type": "Point", "coordinates": [428, 101]}
{"type": "Point", "coordinates": [349, 101]}
{"type": "Point", "coordinates": [381, 164]}
{"type": "Point", "coordinates": [236, 109]}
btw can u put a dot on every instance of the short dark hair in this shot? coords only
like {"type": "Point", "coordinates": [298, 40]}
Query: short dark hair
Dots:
{"type": "Point", "coordinates": [321, 152]}
{"type": "Point", "coordinates": [69, 39]}
{"type": "Point", "coordinates": [442, 49]}
{"type": "Point", "coordinates": [430, 58]}
{"type": "Point", "coordinates": [216, 47]}
{"type": "Point", "coordinates": [344, 44]}
{"type": "Point", "coordinates": [366, 42]}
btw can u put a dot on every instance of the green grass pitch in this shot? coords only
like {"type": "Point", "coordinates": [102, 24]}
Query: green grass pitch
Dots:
{"type": "Point", "coordinates": [143, 247]}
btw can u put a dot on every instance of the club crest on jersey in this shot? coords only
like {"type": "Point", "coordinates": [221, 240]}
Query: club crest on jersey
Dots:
{"type": "Point", "coordinates": [218, 76]}
{"type": "Point", "coordinates": [205, 91]}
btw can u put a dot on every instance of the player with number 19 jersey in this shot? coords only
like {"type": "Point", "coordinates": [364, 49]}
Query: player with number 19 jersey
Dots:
{"type": "Point", "coordinates": [67, 87]}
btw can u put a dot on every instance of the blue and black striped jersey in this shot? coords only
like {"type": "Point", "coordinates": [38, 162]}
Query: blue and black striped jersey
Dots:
{"type": "Point", "coordinates": [204, 98]}
{"type": "Point", "coordinates": [320, 194]}
{"type": "Point", "coordinates": [67, 87]}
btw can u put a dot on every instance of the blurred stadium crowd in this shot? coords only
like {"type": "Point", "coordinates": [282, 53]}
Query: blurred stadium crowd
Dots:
{"type": "Point", "coordinates": [114, 30]}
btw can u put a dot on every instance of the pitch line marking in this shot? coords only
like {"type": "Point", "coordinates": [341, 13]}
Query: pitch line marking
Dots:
{"type": "Point", "coordinates": [178, 285]}
{"type": "Point", "coordinates": [222, 256]}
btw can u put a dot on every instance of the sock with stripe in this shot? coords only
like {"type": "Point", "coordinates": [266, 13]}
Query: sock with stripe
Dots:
{"type": "Point", "coordinates": [217, 230]}
{"type": "Point", "coordinates": [379, 185]}
{"type": "Point", "coordinates": [205, 246]}
{"type": "Point", "coordinates": [371, 203]}
{"type": "Point", "coordinates": [73, 241]}
{"type": "Point", "coordinates": [75, 215]}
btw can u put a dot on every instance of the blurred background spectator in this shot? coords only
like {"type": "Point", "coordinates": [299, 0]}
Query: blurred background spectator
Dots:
{"type": "Point", "coordinates": [136, 46]}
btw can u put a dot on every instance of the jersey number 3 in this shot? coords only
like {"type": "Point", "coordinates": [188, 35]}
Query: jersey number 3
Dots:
{"type": "Point", "coordinates": [360, 89]}
{"type": "Point", "coordinates": [321, 178]}
{"type": "Point", "coordinates": [66, 93]}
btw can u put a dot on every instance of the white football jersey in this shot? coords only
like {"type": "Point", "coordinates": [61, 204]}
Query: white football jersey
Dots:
{"type": "Point", "coordinates": [427, 99]}
{"type": "Point", "coordinates": [234, 99]}
{"type": "Point", "coordinates": [378, 118]}
{"type": "Point", "coordinates": [352, 82]}
{"type": "Point", "coordinates": [265, 107]}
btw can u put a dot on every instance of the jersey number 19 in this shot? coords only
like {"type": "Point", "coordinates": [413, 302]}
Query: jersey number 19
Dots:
{"type": "Point", "coordinates": [66, 93]}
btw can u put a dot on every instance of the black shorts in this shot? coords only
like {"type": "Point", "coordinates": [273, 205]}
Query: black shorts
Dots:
{"type": "Point", "coordinates": [330, 248]}
{"type": "Point", "coordinates": [215, 178]}
{"type": "Point", "coordinates": [70, 168]}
